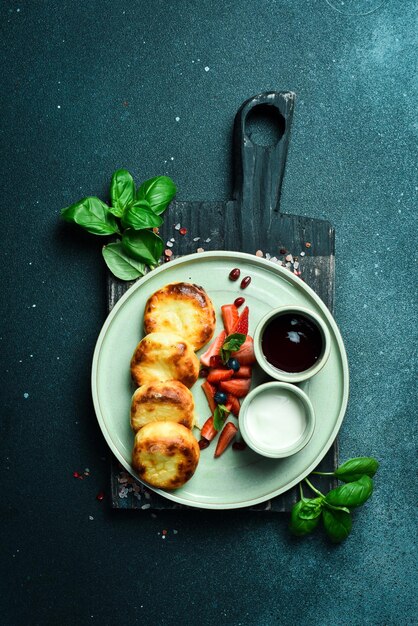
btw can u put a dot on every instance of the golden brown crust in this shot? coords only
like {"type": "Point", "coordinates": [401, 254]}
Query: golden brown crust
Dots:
{"type": "Point", "coordinates": [183, 309]}
{"type": "Point", "coordinates": [160, 402]}
{"type": "Point", "coordinates": [165, 454]}
{"type": "Point", "coordinates": [164, 356]}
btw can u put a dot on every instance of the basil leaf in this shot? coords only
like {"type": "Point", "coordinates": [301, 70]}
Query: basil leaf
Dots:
{"type": "Point", "coordinates": [120, 264]}
{"type": "Point", "coordinates": [158, 191]}
{"type": "Point", "coordinates": [93, 215]}
{"type": "Point", "coordinates": [352, 494]}
{"type": "Point", "coordinates": [299, 526]}
{"type": "Point", "coordinates": [234, 342]}
{"type": "Point", "coordinates": [143, 245]}
{"type": "Point", "coordinates": [122, 192]}
{"type": "Point", "coordinates": [219, 416]}
{"type": "Point", "coordinates": [337, 524]}
{"type": "Point", "coordinates": [311, 509]}
{"type": "Point", "coordinates": [140, 215]}
{"type": "Point", "coordinates": [231, 344]}
{"type": "Point", "coordinates": [356, 468]}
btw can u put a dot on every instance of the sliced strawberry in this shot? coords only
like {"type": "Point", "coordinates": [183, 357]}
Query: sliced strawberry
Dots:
{"type": "Point", "coordinates": [230, 317]}
{"type": "Point", "coordinates": [209, 393]}
{"type": "Point", "coordinates": [241, 325]}
{"type": "Point", "coordinates": [215, 376]}
{"type": "Point", "coordinates": [238, 387]}
{"type": "Point", "coordinates": [245, 371]}
{"type": "Point", "coordinates": [233, 404]}
{"type": "Point", "coordinates": [208, 430]}
{"type": "Point", "coordinates": [228, 433]}
{"type": "Point", "coordinates": [213, 349]}
{"type": "Point", "coordinates": [216, 361]}
{"type": "Point", "coordinates": [245, 354]}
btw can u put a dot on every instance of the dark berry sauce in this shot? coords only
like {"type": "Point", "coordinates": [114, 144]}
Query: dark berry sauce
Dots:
{"type": "Point", "coordinates": [292, 342]}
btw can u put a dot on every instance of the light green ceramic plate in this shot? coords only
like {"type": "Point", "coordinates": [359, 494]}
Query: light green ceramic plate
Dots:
{"type": "Point", "coordinates": [238, 478]}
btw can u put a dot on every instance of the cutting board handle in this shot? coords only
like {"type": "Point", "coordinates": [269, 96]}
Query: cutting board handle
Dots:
{"type": "Point", "coordinates": [259, 169]}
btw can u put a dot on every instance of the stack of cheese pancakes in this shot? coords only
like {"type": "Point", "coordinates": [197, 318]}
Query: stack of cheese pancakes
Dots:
{"type": "Point", "coordinates": [179, 319]}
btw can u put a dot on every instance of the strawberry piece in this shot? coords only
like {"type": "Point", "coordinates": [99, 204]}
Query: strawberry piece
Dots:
{"type": "Point", "coordinates": [230, 317]}
{"type": "Point", "coordinates": [228, 433]}
{"type": "Point", "coordinates": [233, 404]}
{"type": "Point", "coordinates": [245, 354]}
{"type": "Point", "coordinates": [241, 325]}
{"type": "Point", "coordinates": [238, 387]}
{"type": "Point", "coordinates": [215, 376]}
{"type": "Point", "coordinates": [213, 349]}
{"type": "Point", "coordinates": [208, 430]}
{"type": "Point", "coordinates": [209, 391]}
{"type": "Point", "coordinates": [245, 371]}
{"type": "Point", "coordinates": [216, 361]}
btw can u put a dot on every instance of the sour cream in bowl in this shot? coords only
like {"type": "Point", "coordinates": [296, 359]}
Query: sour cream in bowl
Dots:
{"type": "Point", "coordinates": [277, 419]}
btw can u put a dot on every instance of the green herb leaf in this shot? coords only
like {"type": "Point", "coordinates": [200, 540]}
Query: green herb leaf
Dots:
{"type": "Point", "coordinates": [219, 416]}
{"type": "Point", "coordinates": [356, 468]}
{"type": "Point", "coordinates": [352, 494]}
{"type": "Point", "coordinates": [337, 524]}
{"type": "Point", "coordinates": [298, 525]}
{"type": "Point", "coordinates": [122, 192]}
{"type": "Point", "coordinates": [231, 344]}
{"type": "Point", "coordinates": [311, 509]}
{"type": "Point", "coordinates": [120, 264]}
{"type": "Point", "coordinates": [140, 215]}
{"type": "Point", "coordinates": [158, 191]}
{"type": "Point", "coordinates": [143, 245]}
{"type": "Point", "coordinates": [93, 215]}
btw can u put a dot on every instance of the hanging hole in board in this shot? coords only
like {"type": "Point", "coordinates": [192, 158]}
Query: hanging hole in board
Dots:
{"type": "Point", "coordinates": [265, 125]}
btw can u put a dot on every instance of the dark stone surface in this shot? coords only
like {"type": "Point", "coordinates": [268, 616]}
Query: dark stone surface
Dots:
{"type": "Point", "coordinates": [91, 87]}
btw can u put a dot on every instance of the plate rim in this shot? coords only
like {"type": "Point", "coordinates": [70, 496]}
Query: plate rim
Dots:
{"type": "Point", "coordinates": [288, 276]}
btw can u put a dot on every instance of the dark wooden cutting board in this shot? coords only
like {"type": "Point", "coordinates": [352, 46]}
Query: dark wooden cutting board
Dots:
{"type": "Point", "coordinates": [251, 222]}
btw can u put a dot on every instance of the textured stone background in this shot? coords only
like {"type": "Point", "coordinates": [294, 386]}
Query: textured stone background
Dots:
{"type": "Point", "coordinates": [88, 87]}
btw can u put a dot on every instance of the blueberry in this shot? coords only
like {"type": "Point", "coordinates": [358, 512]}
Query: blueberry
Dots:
{"type": "Point", "coordinates": [220, 397]}
{"type": "Point", "coordinates": [233, 364]}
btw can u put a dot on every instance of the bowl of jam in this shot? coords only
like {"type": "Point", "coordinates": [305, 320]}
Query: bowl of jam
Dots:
{"type": "Point", "coordinates": [292, 343]}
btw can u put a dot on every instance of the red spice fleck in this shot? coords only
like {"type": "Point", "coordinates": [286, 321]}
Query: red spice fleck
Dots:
{"type": "Point", "coordinates": [283, 251]}
{"type": "Point", "coordinates": [77, 475]}
{"type": "Point", "coordinates": [245, 282]}
{"type": "Point", "coordinates": [239, 302]}
{"type": "Point", "coordinates": [164, 532]}
{"type": "Point", "coordinates": [183, 231]}
{"type": "Point", "coordinates": [239, 445]}
{"type": "Point", "coordinates": [100, 496]}
{"type": "Point", "coordinates": [308, 244]}
{"type": "Point", "coordinates": [203, 443]}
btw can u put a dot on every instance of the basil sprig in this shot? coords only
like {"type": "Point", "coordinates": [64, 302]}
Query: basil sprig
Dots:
{"type": "Point", "coordinates": [231, 344]}
{"type": "Point", "coordinates": [133, 215]}
{"type": "Point", "coordinates": [335, 507]}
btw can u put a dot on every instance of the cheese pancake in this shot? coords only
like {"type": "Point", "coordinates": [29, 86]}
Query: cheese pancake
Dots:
{"type": "Point", "coordinates": [164, 356]}
{"type": "Point", "coordinates": [162, 402]}
{"type": "Point", "coordinates": [183, 309]}
{"type": "Point", "coordinates": [165, 454]}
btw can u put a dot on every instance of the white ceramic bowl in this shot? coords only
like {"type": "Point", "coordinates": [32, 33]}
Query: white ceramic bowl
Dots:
{"type": "Point", "coordinates": [286, 402]}
{"type": "Point", "coordinates": [284, 376]}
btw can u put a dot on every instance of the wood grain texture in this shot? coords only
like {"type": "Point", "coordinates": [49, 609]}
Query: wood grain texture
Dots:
{"type": "Point", "coordinates": [251, 221]}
